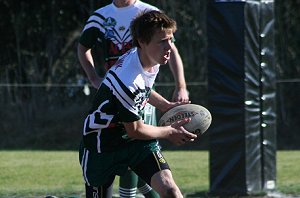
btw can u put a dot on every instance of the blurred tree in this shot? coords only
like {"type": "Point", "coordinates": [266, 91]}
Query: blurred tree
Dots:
{"type": "Point", "coordinates": [287, 39]}
{"type": "Point", "coordinates": [39, 39]}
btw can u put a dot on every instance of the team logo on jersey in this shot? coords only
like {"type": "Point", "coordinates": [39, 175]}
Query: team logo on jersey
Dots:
{"type": "Point", "coordinates": [109, 22]}
{"type": "Point", "coordinates": [142, 97]}
{"type": "Point", "coordinates": [122, 28]}
{"type": "Point", "coordinates": [140, 100]}
{"type": "Point", "coordinates": [109, 34]}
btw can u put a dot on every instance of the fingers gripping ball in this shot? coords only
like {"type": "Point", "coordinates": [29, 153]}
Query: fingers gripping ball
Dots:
{"type": "Point", "coordinates": [200, 117]}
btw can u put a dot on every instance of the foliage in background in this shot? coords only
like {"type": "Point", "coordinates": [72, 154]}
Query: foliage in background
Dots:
{"type": "Point", "coordinates": [287, 20]}
{"type": "Point", "coordinates": [41, 98]}
{"type": "Point", "coordinates": [43, 78]}
{"type": "Point", "coordinates": [288, 50]}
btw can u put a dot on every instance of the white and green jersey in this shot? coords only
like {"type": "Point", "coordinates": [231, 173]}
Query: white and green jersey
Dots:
{"type": "Point", "coordinates": [121, 97]}
{"type": "Point", "coordinates": [109, 29]}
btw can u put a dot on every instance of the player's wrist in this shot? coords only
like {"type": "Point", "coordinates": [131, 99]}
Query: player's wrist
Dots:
{"type": "Point", "coordinates": [180, 87]}
{"type": "Point", "coordinates": [180, 84]}
{"type": "Point", "coordinates": [168, 105]}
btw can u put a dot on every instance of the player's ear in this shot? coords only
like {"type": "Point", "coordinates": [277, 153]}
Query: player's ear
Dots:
{"type": "Point", "coordinates": [140, 43]}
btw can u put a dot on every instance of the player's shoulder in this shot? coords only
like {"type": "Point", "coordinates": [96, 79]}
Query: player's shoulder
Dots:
{"type": "Point", "coordinates": [127, 64]}
{"type": "Point", "coordinates": [129, 57]}
{"type": "Point", "coordinates": [145, 6]}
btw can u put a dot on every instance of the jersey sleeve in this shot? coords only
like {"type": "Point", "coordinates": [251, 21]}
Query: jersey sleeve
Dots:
{"type": "Point", "coordinates": [127, 116]}
{"type": "Point", "coordinates": [125, 100]}
{"type": "Point", "coordinates": [88, 37]}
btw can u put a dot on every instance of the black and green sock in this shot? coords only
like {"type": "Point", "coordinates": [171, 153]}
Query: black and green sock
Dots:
{"type": "Point", "coordinates": [128, 185]}
{"type": "Point", "coordinates": [146, 190]}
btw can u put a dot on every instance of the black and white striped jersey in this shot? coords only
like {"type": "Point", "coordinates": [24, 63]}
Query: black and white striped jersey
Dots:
{"type": "Point", "coordinates": [109, 29]}
{"type": "Point", "coordinates": [121, 97]}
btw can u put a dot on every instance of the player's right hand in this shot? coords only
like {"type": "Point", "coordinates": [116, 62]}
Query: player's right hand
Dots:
{"type": "Point", "coordinates": [180, 136]}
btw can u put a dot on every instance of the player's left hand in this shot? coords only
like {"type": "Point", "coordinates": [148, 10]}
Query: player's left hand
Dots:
{"type": "Point", "coordinates": [174, 104]}
{"type": "Point", "coordinates": [180, 95]}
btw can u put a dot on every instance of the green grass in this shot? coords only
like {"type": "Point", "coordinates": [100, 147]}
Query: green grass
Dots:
{"type": "Point", "coordinates": [288, 172]}
{"type": "Point", "coordinates": [190, 169]}
{"type": "Point", "coordinates": [37, 173]}
{"type": "Point", "coordinates": [30, 174]}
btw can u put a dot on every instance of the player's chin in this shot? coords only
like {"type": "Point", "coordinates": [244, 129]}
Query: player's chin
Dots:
{"type": "Point", "coordinates": [163, 62]}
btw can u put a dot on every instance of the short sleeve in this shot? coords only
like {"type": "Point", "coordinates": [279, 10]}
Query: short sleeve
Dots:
{"type": "Point", "coordinates": [88, 38]}
{"type": "Point", "coordinates": [125, 115]}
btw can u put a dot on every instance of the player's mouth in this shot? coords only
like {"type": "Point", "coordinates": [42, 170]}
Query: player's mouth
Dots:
{"type": "Point", "coordinates": [167, 56]}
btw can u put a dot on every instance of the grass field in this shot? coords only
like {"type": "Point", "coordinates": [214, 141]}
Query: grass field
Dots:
{"type": "Point", "coordinates": [29, 174]}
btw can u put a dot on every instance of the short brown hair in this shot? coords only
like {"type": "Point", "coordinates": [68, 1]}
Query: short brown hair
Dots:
{"type": "Point", "coordinates": [146, 23]}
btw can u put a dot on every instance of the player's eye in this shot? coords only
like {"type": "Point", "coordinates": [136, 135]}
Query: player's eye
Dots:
{"type": "Point", "coordinates": [167, 40]}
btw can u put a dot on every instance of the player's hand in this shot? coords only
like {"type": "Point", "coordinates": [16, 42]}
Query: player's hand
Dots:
{"type": "Point", "coordinates": [181, 136]}
{"type": "Point", "coordinates": [180, 95]}
{"type": "Point", "coordinates": [170, 105]}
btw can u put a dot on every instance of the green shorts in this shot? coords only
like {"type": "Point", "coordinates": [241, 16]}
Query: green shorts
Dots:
{"type": "Point", "coordinates": [99, 168]}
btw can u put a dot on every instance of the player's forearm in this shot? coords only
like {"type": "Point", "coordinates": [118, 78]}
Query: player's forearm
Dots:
{"type": "Point", "coordinates": [159, 101]}
{"type": "Point", "coordinates": [174, 133]}
{"type": "Point", "coordinates": [141, 131]}
{"type": "Point", "coordinates": [87, 63]}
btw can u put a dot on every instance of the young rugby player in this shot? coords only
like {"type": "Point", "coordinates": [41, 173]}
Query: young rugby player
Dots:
{"type": "Point", "coordinates": [115, 136]}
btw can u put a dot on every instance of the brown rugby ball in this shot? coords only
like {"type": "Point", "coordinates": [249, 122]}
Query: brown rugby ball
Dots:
{"type": "Point", "coordinates": [200, 117]}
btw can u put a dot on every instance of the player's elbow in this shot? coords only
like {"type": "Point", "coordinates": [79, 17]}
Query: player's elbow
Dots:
{"type": "Point", "coordinates": [137, 133]}
{"type": "Point", "coordinates": [137, 130]}
{"type": "Point", "coordinates": [81, 50]}
{"type": "Point", "coordinates": [132, 134]}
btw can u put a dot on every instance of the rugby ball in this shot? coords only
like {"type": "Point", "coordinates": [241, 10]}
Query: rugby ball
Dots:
{"type": "Point", "coordinates": [200, 117]}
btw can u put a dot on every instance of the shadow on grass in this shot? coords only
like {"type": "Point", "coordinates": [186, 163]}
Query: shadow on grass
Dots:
{"type": "Point", "coordinates": [205, 194]}
{"type": "Point", "coordinates": [201, 194]}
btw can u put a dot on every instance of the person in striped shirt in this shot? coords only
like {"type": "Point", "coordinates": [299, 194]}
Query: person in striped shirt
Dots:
{"type": "Point", "coordinates": [115, 136]}
{"type": "Point", "coordinates": [107, 31]}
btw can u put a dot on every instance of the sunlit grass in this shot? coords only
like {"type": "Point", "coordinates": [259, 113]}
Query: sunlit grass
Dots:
{"type": "Point", "coordinates": [37, 173]}
{"type": "Point", "coordinates": [190, 169]}
{"type": "Point", "coordinates": [288, 172]}
{"type": "Point", "coordinates": [29, 174]}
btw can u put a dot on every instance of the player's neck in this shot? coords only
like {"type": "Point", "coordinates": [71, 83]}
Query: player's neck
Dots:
{"type": "Point", "coordinates": [145, 62]}
{"type": "Point", "coordinates": [123, 3]}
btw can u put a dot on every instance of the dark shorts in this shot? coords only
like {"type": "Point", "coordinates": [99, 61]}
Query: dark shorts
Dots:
{"type": "Point", "coordinates": [143, 157]}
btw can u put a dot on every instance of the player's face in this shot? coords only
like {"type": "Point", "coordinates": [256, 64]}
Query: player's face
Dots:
{"type": "Point", "coordinates": [158, 50]}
